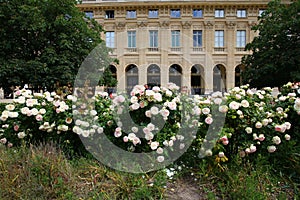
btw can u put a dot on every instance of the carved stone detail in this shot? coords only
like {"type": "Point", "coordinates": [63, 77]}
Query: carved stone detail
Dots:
{"type": "Point", "coordinates": [186, 24]}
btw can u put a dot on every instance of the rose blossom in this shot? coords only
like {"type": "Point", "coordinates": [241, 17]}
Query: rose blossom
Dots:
{"type": "Point", "coordinates": [136, 141]}
{"type": "Point", "coordinates": [172, 105]}
{"type": "Point", "coordinates": [154, 145]}
{"type": "Point", "coordinates": [245, 103]}
{"type": "Point", "coordinates": [287, 136]}
{"type": "Point", "coordinates": [208, 120]}
{"type": "Point", "coordinates": [271, 149]}
{"type": "Point", "coordinates": [21, 135]}
{"type": "Point", "coordinates": [125, 139]}
{"type": "Point", "coordinates": [248, 130]}
{"type": "Point", "coordinates": [223, 109]}
{"type": "Point", "coordinates": [3, 140]}
{"type": "Point", "coordinates": [157, 97]}
{"type": "Point", "coordinates": [261, 137]}
{"type": "Point", "coordinates": [234, 105]}
{"type": "Point", "coordinates": [205, 111]}
{"type": "Point", "coordinates": [154, 110]}
{"type": "Point", "coordinates": [16, 128]}
{"type": "Point", "coordinates": [252, 148]}
{"type": "Point", "coordinates": [258, 125]}
{"type": "Point", "coordinates": [221, 154]}
{"type": "Point", "coordinates": [276, 140]}
{"type": "Point", "coordinates": [159, 150]}
{"type": "Point", "coordinates": [160, 159]}
{"type": "Point", "coordinates": [39, 118]}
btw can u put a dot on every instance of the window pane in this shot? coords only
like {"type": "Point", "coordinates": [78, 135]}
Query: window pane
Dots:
{"type": "Point", "coordinates": [153, 38]}
{"type": "Point", "coordinates": [241, 13]}
{"type": "Point", "coordinates": [219, 38]}
{"type": "Point", "coordinates": [175, 13]}
{"type": "Point", "coordinates": [153, 13]}
{"type": "Point", "coordinates": [131, 39]}
{"type": "Point", "coordinates": [175, 38]}
{"type": "Point", "coordinates": [109, 14]}
{"type": "Point", "coordinates": [89, 14]}
{"type": "Point", "coordinates": [131, 14]}
{"type": "Point", "coordinates": [197, 38]}
{"type": "Point", "coordinates": [197, 13]}
{"type": "Point", "coordinates": [110, 39]}
{"type": "Point", "coordinates": [241, 38]}
{"type": "Point", "coordinates": [219, 13]}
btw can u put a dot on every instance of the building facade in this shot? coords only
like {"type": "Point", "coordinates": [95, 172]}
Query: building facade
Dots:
{"type": "Point", "coordinates": [196, 44]}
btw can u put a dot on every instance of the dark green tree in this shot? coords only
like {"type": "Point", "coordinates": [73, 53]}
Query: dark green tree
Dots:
{"type": "Point", "coordinates": [275, 58]}
{"type": "Point", "coordinates": [43, 42]}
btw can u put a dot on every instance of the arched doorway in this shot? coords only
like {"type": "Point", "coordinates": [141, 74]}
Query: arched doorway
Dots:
{"type": "Point", "coordinates": [238, 78]}
{"type": "Point", "coordinates": [132, 77]}
{"type": "Point", "coordinates": [197, 79]}
{"type": "Point", "coordinates": [219, 78]}
{"type": "Point", "coordinates": [175, 73]}
{"type": "Point", "coordinates": [153, 75]}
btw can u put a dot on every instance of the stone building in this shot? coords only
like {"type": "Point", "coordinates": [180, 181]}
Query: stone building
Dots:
{"type": "Point", "coordinates": [197, 44]}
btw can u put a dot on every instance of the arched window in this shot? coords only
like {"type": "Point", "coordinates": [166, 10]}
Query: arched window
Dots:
{"type": "Point", "coordinates": [197, 79]}
{"type": "Point", "coordinates": [219, 78]}
{"type": "Point", "coordinates": [175, 74]}
{"type": "Point", "coordinates": [153, 75]}
{"type": "Point", "coordinates": [132, 77]}
{"type": "Point", "coordinates": [238, 78]}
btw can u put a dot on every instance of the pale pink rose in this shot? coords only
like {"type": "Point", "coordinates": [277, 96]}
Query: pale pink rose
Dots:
{"type": "Point", "coordinates": [24, 110]}
{"type": "Point", "coordinates": [271, 149]}
{"type": "Point", "coordinates": [245, 103]}
{"type": "Point", "coordinates": [21, 135]}
{"type": "Point", "coordinates": [131, 136]}
{"type": "Point", "coordinates": [154, 110]}
{"type": "Point", "coordinates": [265, 122]}
{"type": "Point", "coordinates": [146, 130]}
{"type": "Point", "coordinates": [151, 126]}
{"type": "Point", "coordinates": [261, 137]}
{"type": "Point", "coordinates": [148, 113]}
{"type": "Point", "coordinates": [160, 159]}
{"type": "Point", "coordinates": [197, 110]}
{"type": "Point", "coordinates": [288, 125]}
{"type": "Point", "coordinates": [136, 141]}
{"type": "Point", "coordinates": [208, 120]}
{"type": "Point", "coordinates": [134, 129]}
{"type": "Point", "coordinates": [39, 118]}
{"type": "Point", "coordinates": [221, 154]}
{"type": "Point", "coordinates": [205, 111]}
{"type": "Point", "coordinates": [154, 145]}
{"type": "Point", "coordinates": [159, 150]}
{"type": "Point", "coordinates": [224, 140]}
{"type": "Point", "coordinates": [156, 89]}
{"type": "Point", "coordinates": [218, 101]}
{"type": "Point", "coordinates": [168, 93]}
{"type": "Point", "coordinates": [100, 130]}
{"type": "Point", "coordinates": [287, 136]}
{"type": "Point", "coordinates": [258, 125]}
{"type": "Point", "coordinates": [149, 93]}
{"type": "Point", "coordinates": [247, 150]}
{"type": "Point", "coordinates": [252, 148]}
{"type": "Point", "coordinates": [172, 105]}
{"type": "Point", "coordinates": [223, 109]}
{"type": "Point", "coordinates": [158, 97]}
{"type": "Point", "coordinates": [133, 99]}
{"type": "Point", "coordinates": [125, 139]}
{"type": "Point", "coordinates": [248, 130]}
{"type": "Point", "coordinates": [135, 106]}
{"type": "Point", "coordinates": [276, 140]}
{"type": "Point", "coordinates": [234, 105]}
{"type": "Point", "coordinates": [149, 136]}
{"type": "Point", "coordinates": [164, 112]}
{"type": "Point", "coordinates": [170, 143]}
{"type": "Point", "coordinates": [3, 140]}
{"type": "Point", "coordinates": [208, 152]}
{"type": "Point", "coordinates": [239, 112]}
{"type": "Point", "coordinates": [16, 128]}
{"type": "Point", "coordinates": [9, 145]}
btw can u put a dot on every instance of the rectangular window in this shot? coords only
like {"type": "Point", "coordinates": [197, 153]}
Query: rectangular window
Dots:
{"type": "Point", "coordinates": [241, 13]}
{"type": "Point", "coordinates": [241, 38]}
{"type": "Point", "coordinates": [153, 38]}
{"type": "Point", "coordinates": [197, 38]}
{"type": "Point", "coordinates": [153, 13]}
{"type": "Point", "coordinates": [131, 14]}
{"type": "Point", "coordinates": [219, 13]}
{"type": "Point", "coordinates": [219, 38]}
{"type": "Point", "coordinates": [197, 13]}
{"type": "Point", "coordinates": [131, 39]}
{"type": "Point", "coordinates": [89, 14]}
{"type": "Point", "coordinates": [109, 14]}
{"type": "Point", "coordinates": [110, 39]}
{"type": "Point", "coordinates": [175, 13]}
{"type": "Point", "coordinates": [175, 38]}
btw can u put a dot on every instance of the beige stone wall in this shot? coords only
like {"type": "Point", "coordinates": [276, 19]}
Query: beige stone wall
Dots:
{"type": "Point", "coordinates": [208, 56]}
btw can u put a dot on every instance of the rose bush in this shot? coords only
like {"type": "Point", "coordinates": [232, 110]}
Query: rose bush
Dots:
{"type": "Point", "coordinates": [255, 122]}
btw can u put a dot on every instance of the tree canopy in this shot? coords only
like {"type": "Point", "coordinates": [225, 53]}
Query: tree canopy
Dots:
{"type": "Point", "coordinates": [43, 42]}
{"type": "Point", "coordinates": [276, 50]}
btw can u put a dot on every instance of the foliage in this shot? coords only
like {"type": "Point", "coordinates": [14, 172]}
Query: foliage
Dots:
{"type": "Point", "coordinates": [275, 51]}
{"type": "Point", "coordinates": [44, 42]}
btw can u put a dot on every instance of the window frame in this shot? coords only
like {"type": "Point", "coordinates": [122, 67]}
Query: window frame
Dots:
{"type": "Point", "coordinates": [198, 42]}
{"type": "Point", "coordinates": [241, 37]}
{"type": "Point", "coordinates": [110, 39]}
{"type": "Point", "coordinates": [196, 11]}
{"type": "Point", "coordinates": [175, 13]}
{"type": "Point", "coordinates": [108, 14]}
{"type": "Point", "coordinates": [175, 38]}
{"type": "Point", "coordinates": [131, 39]}
{"type": "Point", "coordinates": [241, 13]}
{"type": "Point", "coordinates": [154, 14]}
{"type": "Point", "coordinates": [88, 13]}
{"type": "Point", "coordinates": [153, 38]}
{"type": "Point", "coordinates": [219, 13]}
{"type": "Point", "coordinates": [219, 38]}
{"type": "Point", "coordinates": [131, 14]}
